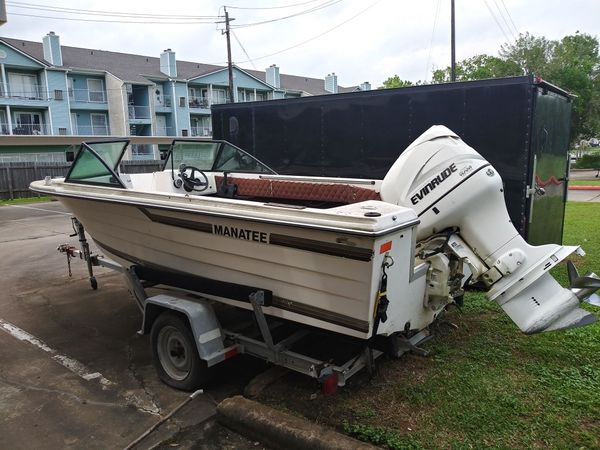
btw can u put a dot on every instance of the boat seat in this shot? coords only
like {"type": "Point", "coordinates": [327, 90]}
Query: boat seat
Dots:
{"type": "Point", "coordinates": [299, 190]}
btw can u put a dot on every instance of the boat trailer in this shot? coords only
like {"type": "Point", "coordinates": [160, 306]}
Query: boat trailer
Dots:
{"type": "Point", "coordinates": [173, 340]}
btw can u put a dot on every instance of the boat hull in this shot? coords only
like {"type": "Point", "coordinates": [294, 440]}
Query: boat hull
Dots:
{"type": "Point", "coordinates": [323, 277]}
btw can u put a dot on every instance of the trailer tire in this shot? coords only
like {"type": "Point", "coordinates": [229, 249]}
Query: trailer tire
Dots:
{"type": "Point", "coordinates": [175, 354]}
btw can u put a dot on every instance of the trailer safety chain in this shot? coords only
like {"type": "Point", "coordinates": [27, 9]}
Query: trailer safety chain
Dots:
{"type": "Point", "coordinates": [382, 302]}
{"type": "Point", "coordinates": [69, 250]}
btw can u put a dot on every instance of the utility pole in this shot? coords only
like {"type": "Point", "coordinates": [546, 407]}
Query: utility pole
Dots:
{"type": "Point", "coordinates": [452, 43]}
{"type": "Point", "coordinates": [229, 65]}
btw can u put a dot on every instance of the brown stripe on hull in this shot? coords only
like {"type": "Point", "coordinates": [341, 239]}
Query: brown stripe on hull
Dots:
{"type": "Point", "coordinates": [311, 245]}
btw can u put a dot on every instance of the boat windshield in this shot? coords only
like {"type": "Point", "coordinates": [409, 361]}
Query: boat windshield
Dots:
{"type": "Point", "coordinates": [97, 163]}
{"type": "Point", "coordinates": [213, 156]}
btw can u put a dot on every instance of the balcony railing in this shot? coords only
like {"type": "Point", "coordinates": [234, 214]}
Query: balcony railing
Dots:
{"type": "Point", "coordinates": [25, 130]}
{"type": "Point", "coordinates": [142, 151]}
{"type": "Point", "coordinates": [139, 112]}
{"type": "Point", "coordinates": [87, 96]}
{"type": "Point", "coordinates": [163, 101]}
{"type": "Point", "coordinates": [198, 102]}
{"type": "Point", "coordinates": [88, 130]}
{"type": "Point", "coordinates": [31, 92]}
{"type": "Point", "coordinates": [200, 131]}
{"type": "Point", "coordinates": [202, 102]}
{"type": "Point", "coordinates": [163, 131]}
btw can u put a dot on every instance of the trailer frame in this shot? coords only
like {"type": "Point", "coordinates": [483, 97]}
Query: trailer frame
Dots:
{"type": "Point", "coordinates": [216, 344]}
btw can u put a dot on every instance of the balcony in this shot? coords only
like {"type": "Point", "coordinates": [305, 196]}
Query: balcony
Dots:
{"type": "Point", "coordinates": [25, 129]}
{"type": "Point", "coordinates": [163, 101]}
{"type": "Point", "coordinates": [163, 131]}
{"type": "Point", "coordinates": [198, 102]}
{"type": "Point", "coordinates": [87, 130]}
{"type": "Point", "coordinates": [139, 112]}
{"type": "Point", "coordinates": [203, 102]}
{"type": "Point", "coordinates": [87, 96]}
{"type": "Point", "coordinates": [29, 92]}
{"type": "Point", "coordinates": [200, 131]}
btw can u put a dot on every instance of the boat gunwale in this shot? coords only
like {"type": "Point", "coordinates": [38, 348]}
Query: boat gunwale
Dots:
{"type": "Point", "coordinates": [137, 203]}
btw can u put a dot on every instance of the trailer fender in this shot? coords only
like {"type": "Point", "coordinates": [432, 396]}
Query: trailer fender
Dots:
{"type": "Point", "coordinates": [200, 315]}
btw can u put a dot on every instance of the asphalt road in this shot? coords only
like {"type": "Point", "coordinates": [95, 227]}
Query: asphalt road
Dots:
{"type": "Point", "coordinates": [73, 371]}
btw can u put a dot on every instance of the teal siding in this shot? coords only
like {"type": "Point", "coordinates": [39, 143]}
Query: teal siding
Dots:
{"type": "Point", "coordinates": [183, 113]}
{"type": "Point", "coordinates": [59, 109]}
{"type": "Point", "coordinates": [220, 78]}
{"type": "Point", "coordinates": [240, 80]}
{"type": "Point", "coordinates": [84, 123]}
{"type": "Point", "coordinates": [16, 59]}
{"type": "Point", "coordinates": [80, 96]}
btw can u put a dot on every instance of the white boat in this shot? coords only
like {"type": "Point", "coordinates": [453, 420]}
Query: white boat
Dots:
{"type": "Point", "coordinates": [327, 252]}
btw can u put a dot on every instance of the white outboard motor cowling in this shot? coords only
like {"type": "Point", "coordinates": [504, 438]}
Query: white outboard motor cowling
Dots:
{"type": "Point", "coordinates": [459, 198]}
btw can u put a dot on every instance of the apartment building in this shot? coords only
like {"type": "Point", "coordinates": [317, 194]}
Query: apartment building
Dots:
{"type": "Point", "coordinates": [50, 89]}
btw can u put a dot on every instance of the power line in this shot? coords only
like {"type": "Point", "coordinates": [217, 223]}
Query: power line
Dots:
{"type": "Point", "coordinates": [435, 19]}
{"type": "Point", "coordinates": [273, 7]}
{"type": "Point", "coordinates": [244, 50]}
{"type": "Point", "coordinates": [326, 4]}
{"type": "Point", "coordinates": [496, 20]}
{"type": "Point", "coordinates": [317, 36]}
{"type": "Point", "coordinates": [510, 17]}
{"type": "Point", "coordinates": [115, 21]}
{"type": "Point", "coordinates": [504, 20]}
{"type": "Point", "coordinates": [78, 11]}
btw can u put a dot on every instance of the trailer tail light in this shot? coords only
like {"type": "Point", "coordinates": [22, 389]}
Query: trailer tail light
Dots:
{"type": "Point", "coordinates": [330, 384]}
{"type": "Point", "coordinates": [231, 352]}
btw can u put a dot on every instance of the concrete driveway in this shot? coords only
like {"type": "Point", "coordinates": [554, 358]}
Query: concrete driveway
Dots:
{"type": "Point", "coordinates": [73, 371]}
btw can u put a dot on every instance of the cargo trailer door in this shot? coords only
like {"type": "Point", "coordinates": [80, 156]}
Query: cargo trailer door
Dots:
{"type": "Point", "coordinates": [548, 173]}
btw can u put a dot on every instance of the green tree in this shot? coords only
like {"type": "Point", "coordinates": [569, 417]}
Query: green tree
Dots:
{"type": "Point", "coordinates": [575, 66]}
{"type": "Point", "coordinates": [530, 53]}
{"type": "Point", "coordinates": [396, 82]}
{"type": "Point", "coordinates": [572, 63]}
{"type": "Point", "coordinates": [478, 67]}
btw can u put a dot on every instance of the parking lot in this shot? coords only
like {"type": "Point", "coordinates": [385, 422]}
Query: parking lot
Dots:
{"type": "Point", "coordinates": [73, 371]}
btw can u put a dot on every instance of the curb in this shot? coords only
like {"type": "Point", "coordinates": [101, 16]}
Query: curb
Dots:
{"type": "Point", "coordinates": [279, 429]}
{"type": "Point", "coordinates": [584, 188]}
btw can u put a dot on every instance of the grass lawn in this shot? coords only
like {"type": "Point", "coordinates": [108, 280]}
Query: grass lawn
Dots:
{"type": "Point", "coordinates": [584, 182]}
{"type": "Point", "coordinates": [20, 201]}
{"type": "Point", "coordinates": [485, 385]}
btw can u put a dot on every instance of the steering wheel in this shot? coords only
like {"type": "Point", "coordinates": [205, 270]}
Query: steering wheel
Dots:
{"type": "Point", "coordinates": [190, 180]}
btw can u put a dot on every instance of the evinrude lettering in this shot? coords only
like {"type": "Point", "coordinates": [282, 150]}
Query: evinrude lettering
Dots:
{"type": "Point", "coordinates": [439, 179]}
{"type": "Point", "coordinates": [241, 233]}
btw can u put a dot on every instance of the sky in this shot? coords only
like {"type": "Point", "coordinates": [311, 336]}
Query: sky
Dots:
{"type": "Point", "coordinates": [358, 40]}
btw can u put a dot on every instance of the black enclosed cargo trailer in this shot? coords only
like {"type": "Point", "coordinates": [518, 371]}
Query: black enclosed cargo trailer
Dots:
{"type": "Point", "coordinates": [520, 124]}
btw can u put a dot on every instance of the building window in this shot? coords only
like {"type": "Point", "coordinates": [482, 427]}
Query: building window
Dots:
{"type": "Point", "coordinates": [197, 98]}
{"type": "Point", "coordinates": [95, 90]}
{"type": "Point", "coordinates": [70, 87]}
{"type": "Point", "coordinates": [27, 123]}
{"type": "Point", "coordinates": [219, 96]}
{"type": "Point", "coordinates": [201, 126]}
{"type": "Point", "coordinates": [3, 123]}
{"type": "Point", "coordinates": [99, 124]}
{"type": "Point", "coordinates": [23, 86]}
{"type": "Point", "coordinates": [74, 123]}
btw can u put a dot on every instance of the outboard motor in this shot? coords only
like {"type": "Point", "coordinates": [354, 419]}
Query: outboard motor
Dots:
{"type": "Point", "coordinates": [465, 228]}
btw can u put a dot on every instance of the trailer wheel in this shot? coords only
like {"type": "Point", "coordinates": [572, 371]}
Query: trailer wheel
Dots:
{"type": "Point", "coordinates": [175, 353]}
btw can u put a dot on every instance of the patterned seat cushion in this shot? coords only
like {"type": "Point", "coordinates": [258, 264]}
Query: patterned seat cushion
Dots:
{"type": "Point", "coordinates": [300, 190]}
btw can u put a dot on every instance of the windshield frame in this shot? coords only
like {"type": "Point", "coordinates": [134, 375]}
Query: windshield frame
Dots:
{"type": "Point", "coordinates": [169, 160]}
{"type": "Point", "coordinates": [87, 147]}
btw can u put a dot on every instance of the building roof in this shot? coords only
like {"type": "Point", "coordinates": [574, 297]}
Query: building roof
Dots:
{"type": "Point", "coordinates": [142, 69]}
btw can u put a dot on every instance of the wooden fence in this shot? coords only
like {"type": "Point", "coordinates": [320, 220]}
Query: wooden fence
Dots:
{"type": "Point", "coordinates": [16, 176]}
